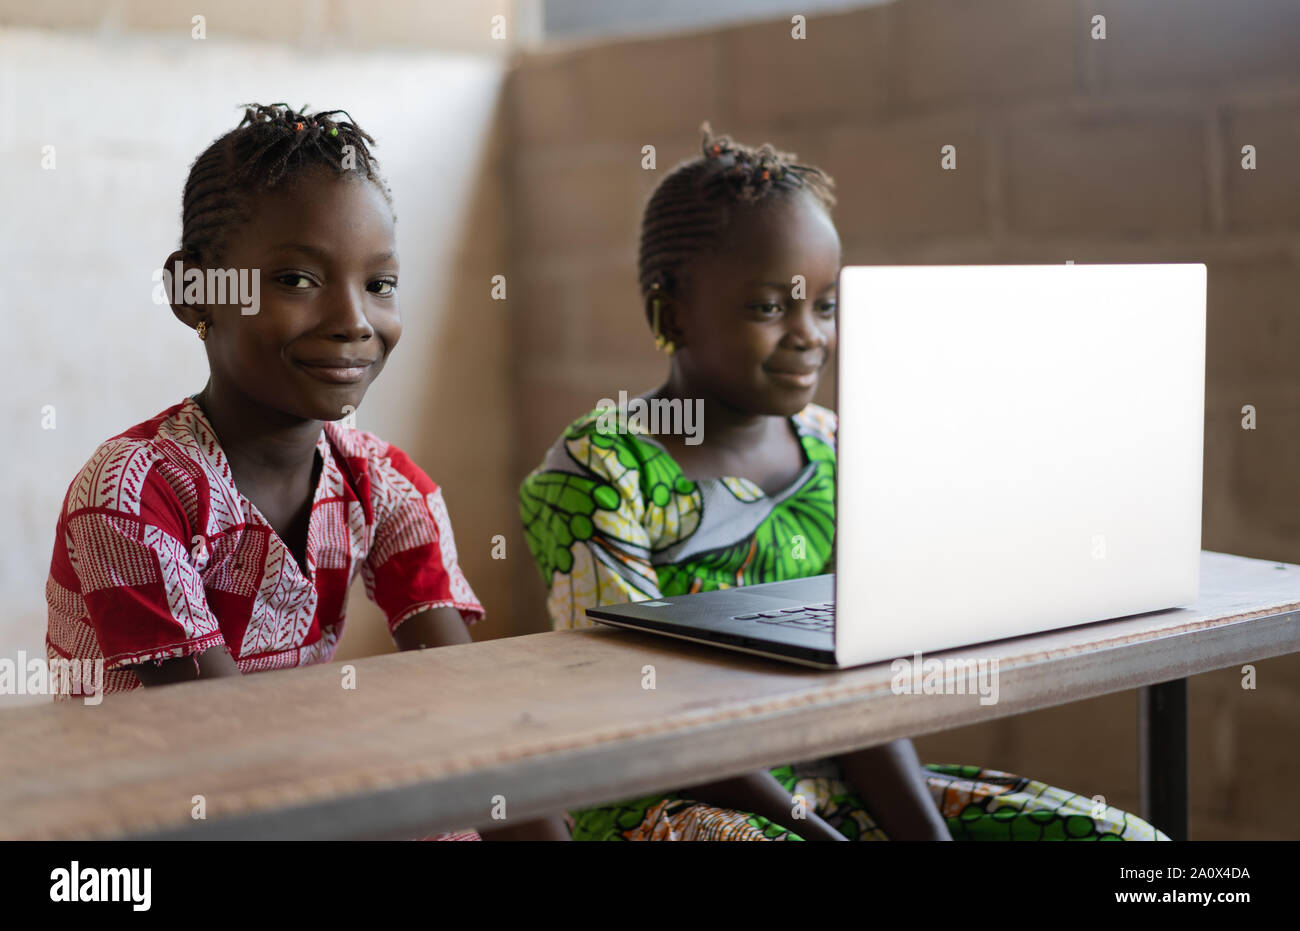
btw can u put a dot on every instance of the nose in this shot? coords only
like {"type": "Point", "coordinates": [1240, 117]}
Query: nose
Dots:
{"type": "Point", "coordinates": [803, 329]}
{"type": "Point", "coordinates": [346, 318]}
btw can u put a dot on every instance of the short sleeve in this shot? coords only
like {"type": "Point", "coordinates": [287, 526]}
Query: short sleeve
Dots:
{"type": "Point", "coordinates": [412, 565]}
{"type": "Point", "coordinates": [142, 591]}
{"type": "Point", "coordinates": [584, 520]}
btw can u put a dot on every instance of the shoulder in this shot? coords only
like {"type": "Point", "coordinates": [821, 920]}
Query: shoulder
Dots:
{"type": "Point", "coordinates": [820, 422]}
{"type": "Point", "coordinates": [373, 466]}
{"type": "Point", "coordinates": [599, 421]}
{"type": "Point", "coordinates": [600, 446]}
{"type": "Point", "coordinates": [137, 469]}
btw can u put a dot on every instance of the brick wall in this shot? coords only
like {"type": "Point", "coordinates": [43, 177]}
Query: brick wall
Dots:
{"type": "Point", "coordinates": [1126, 149]}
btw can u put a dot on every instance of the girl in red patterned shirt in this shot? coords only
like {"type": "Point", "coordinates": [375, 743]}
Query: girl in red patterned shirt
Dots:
{"type": "Point", "coordinates": [221, 536]}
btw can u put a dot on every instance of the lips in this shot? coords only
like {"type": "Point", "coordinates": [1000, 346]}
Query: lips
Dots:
{"type": "Point", "coordinates": [339, 370]}
{"type": "Point", "coordinates": [797, 376]}
{"type": "Point", "coordinates": [338, 362]}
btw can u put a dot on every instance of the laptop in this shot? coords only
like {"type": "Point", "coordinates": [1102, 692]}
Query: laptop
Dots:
{"type": "Point", "coordinates": [1019, 450]}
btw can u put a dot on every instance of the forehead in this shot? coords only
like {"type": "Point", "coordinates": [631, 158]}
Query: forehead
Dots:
{"type": "Point", "coordinates": [792, 232]}
{"type": "Point", "coordinates": [320, 204]}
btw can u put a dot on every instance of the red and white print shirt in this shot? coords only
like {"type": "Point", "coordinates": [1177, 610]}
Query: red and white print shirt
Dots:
{"type": "Point", "coordinates": [157, 554]}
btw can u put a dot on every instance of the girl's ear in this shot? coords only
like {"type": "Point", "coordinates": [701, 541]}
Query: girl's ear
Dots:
{"type": "Point", "coordinates": [668, 316]}
{"type": "Point", "coordinates": [173, 285]}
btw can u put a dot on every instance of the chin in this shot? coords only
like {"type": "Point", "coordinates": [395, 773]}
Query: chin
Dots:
{"type": "Point", "coordinates": [776, 403]}
{"type": "Point", "coordinates": [345, 406]}
{"type": "Point", "coordinates": [758, 396]}
{"type": "Point", "coordinates": [326, 405]}
{"type": "Point", "coordinates": [792, 407]}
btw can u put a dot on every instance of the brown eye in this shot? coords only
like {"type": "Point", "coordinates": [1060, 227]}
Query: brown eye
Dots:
{"type": "Point", "coordinates": [293, 277]}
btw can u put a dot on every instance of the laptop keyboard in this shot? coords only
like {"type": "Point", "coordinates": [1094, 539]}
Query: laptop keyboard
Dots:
{"type": "Point", "coordinates": [808, 617]}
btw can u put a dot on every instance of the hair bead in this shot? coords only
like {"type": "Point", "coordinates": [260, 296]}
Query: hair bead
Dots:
{"type": "Point", "coordinates": [267, 147]}
{"type": "Point", "coordinates": [690, 209]}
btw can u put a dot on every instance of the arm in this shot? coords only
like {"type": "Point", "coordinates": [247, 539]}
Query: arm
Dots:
{"type": "Point", "coordinates": [139, 573]}
{"type": "Point", "coordinates": [413, 566]}
{"type": "Point", "coordinates": [210, 664]}
{"type": "Point", "coordinates": [890, 781]}
{"type": "Point", "coordinates": [434, 627]}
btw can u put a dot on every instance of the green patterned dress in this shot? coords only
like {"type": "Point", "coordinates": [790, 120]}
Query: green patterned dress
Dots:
{"type": "Point", "coordinates": [610, 518]}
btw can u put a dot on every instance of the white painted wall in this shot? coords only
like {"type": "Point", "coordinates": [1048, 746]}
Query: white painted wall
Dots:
{"type": "Point", "coordinates": [127, 114]}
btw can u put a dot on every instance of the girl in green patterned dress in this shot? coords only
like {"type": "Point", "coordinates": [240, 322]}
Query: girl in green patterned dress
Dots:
{"type": "Point", "coordinates": [738, 267]}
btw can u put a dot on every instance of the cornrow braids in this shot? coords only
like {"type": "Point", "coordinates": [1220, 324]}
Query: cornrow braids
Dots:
{"type": "Point", "coordinates": [693, 205]}
{"type": "Point", "coordinates": [272, 144]}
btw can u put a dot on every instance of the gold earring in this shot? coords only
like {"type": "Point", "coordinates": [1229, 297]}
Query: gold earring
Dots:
{"type": "Point", "coordinates": [202, 329]}
{"type": "Point", "coordinates": [661, 343]}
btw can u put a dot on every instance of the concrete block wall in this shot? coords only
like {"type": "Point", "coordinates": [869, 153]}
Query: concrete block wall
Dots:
{"type": "Point", "coordinates": [1069, 147]}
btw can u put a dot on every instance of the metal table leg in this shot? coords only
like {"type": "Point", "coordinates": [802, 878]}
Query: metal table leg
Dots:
{"type": "Point", "coordinates": [1162, 762]}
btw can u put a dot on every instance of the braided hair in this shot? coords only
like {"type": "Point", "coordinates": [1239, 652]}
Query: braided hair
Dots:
{"type": "Point", "coordinates": [271, 145]}
{"type": "Point", "coordinates": [693, 205]}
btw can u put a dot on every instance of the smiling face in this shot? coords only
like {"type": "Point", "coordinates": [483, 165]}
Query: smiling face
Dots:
{"type": "Point", "coordinates": [328, 315]}
{"type": "Point", "coordinates": [744, 338]}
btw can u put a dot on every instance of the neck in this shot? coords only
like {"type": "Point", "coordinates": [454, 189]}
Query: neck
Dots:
{"type": "Point", "coordinates": [723, 425]}
{"type": "Point", "coordinates": [258, 441]}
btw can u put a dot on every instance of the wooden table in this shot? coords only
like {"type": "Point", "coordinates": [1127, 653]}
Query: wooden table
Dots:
{"type": "Point", "coordinates": [431, 740]}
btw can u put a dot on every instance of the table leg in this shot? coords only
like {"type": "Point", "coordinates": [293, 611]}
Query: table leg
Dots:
{"type": "Point", "coordinates": [1162, 763]}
